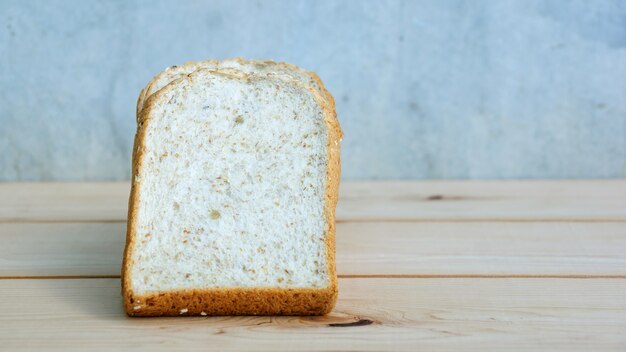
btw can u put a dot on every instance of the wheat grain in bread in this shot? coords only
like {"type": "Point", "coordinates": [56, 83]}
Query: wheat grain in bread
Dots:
{"type": "Point", "coordinates": [235, 180]}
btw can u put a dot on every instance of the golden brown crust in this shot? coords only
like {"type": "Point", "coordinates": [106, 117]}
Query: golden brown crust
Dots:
{"type": "Point", "coordinates": [237, 300]}
{"type": "Point", "coordinates": [333, 173]}
{"type": "Point", "coordinates": [132, 202]}
{"type": "Point", "coordinates": [140, 100]}
{"type": "Point", "coordinates": [232, 301]}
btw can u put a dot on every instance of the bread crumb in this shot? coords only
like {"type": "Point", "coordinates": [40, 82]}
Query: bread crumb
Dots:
{"type": "Point", "coordinates": [136, 307]}
{"type": "Point", "coordinates": [215, 214]}
{"type": "Point", "coordinates": [184, 310]}
{"type": "Point", "coordinates": [202, 313]}
{"type": "Point", "coordinates": [239, 120]}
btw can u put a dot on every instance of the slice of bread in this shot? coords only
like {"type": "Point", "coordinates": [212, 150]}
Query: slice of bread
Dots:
{"type": "Point", "coordinates": [232, 206]}
{"type": "Point", "coordinates": [258, 67]}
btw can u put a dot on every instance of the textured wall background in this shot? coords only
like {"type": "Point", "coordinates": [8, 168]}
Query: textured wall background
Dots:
{"type": "Point", "coordinates": [424, 89]}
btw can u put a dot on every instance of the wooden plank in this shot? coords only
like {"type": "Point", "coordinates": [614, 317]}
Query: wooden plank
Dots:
{"type": "Point", "coordinates": [61, 249]}
{"type": "Point", "coordinates": [603, 200]}
{"type": "Point", "coordinates": [507, 248]}
{"type": "Point", "coordinates": [483, 200]}
{"type": "Point", "coordinates": [482, 248]}
{"type": "Point", "coordinates": [371, 315]}
{"type": "Point", "coordinates": [101, 201]}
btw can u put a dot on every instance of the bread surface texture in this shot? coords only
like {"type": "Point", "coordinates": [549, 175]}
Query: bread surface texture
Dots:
{"type": "Point", "coordinates": [232, 205]}
{"type": "Point", "coordinates": [257, 67]}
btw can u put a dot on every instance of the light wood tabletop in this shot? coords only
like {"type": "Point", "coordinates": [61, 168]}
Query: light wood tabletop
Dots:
{"type": "Point", "coordinates": [432, 265]}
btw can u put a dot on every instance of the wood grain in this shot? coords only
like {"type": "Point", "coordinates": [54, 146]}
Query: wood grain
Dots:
{"type": "Point", "coordinates": [532, 265]}
{"type": "Point", "coordinates": [432, 248]}
{"type": "Point", "coordinates": [101, 201]}
{"type": "Point", "coordinates": [483, 201]}
{"type": "Point", "coordinates": [371, 315]}
{"type": "Point", "coordinates": [603, 200]}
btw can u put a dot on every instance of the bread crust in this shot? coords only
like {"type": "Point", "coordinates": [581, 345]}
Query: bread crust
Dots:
{"type": "Point", "coordinates": [181, 70]}
{"type": "Point", "coordinates": [237, 300]}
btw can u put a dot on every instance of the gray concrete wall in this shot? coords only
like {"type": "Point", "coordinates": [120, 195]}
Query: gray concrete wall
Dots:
{"type": "Point", "coordinates": [424, 89]}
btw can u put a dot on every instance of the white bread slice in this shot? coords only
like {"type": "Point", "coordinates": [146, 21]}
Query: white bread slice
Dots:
{"type": "Point", "coordinates": [259, 67]}
{"type": "Point", "coordinates": [235, 181]}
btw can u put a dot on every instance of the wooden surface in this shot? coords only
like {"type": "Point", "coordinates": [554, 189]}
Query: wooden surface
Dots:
{"type": "Point", "coordinates": [536, 265]}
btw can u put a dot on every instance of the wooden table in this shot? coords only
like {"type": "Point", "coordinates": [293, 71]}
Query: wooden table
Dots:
{"type": "Point", "coordinates": [422, 266]}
